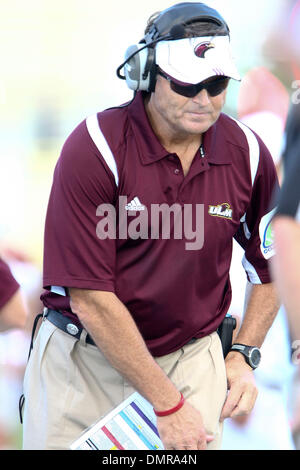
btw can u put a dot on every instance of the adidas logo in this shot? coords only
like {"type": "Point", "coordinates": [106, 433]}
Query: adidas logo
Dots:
{"type": "Point", "coordinates": [135, 205]}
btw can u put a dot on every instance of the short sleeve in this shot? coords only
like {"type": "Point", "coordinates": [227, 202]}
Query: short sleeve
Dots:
{"type": "Point", "coordinates": [255, 233]}
{"type": "Point", "coordinates": [8, 284]}
{"type": "Point", "coordinates": [74, 254]}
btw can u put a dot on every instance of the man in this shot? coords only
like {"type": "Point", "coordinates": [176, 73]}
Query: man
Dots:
{"type": "Point", "coordinates": [286, 226]}
{"type": "Point", "coordinates": [285, 265]}
{"type": "Point", "coordinates": [150, 303]}
{"type": "Point", "coordinates": [12, 309]}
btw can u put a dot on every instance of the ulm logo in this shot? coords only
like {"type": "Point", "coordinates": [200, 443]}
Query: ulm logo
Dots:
{"type": "Point", "coordinates": [221, 210]}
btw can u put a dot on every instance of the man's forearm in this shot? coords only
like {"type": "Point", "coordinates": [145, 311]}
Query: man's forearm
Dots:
{"type": "Point", "coordinates": [286, 268]}
{"type": "Point", "coordinates": [110, 324]}
{"type": "Point", "coordinates": [262, 306]}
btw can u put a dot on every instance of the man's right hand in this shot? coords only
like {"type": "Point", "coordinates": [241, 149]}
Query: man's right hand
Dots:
{"type": "Point", "coordinates": [183, 430]}
{"type": "Point", "coordinates": [114, 331]}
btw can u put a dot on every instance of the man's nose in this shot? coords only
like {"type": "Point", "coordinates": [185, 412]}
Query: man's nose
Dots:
{"type": "Point", "coordinates": [202, 98]}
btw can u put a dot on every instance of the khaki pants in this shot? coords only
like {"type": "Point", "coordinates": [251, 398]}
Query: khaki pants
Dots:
{"type": "Point", "coordinates": [69, 385]}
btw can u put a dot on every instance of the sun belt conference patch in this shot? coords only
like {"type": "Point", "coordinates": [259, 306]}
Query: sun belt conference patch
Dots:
{"type": "Point", "coordinates": [266, 235]}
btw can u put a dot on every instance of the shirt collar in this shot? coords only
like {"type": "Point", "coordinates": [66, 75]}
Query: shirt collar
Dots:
{"type": "Point", "coordinates": [150, 148]}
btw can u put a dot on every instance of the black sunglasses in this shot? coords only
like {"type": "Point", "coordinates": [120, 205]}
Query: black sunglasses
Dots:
{"type": "Point", "coordinates": [213, 88]}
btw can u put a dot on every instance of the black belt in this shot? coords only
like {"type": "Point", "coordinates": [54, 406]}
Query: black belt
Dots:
{"type": "Point", "coordinates": [65, 324]}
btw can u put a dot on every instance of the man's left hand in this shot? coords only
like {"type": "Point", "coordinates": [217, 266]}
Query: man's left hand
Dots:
{"type": "Point", "coordinates": [242, 391]}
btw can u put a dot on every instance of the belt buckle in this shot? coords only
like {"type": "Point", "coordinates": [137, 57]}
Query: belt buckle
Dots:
{"type": "Point", "coordinates": [72, 329]}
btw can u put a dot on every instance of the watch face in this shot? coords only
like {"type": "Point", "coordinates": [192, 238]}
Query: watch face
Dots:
{"type": "Point", "coordinates": [255, 357]}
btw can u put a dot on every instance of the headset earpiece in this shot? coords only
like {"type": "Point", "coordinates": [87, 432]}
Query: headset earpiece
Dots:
{"type": "Point", "coordinates": [139, 69]}
{"type": "Point", "coordinates": [150, 70]}
{"type": "Point", "coordinates": [132, 67]}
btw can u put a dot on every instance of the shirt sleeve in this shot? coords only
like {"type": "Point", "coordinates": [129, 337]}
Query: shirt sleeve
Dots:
{"type": "Point", "coordinates": [255, 233]}
{"type": "Point", "coordinates": [74, 253]}
{"type": "Point", "coordinates": [8, 284]}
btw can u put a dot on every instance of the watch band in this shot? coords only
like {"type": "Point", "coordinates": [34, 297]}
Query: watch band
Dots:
{"type": "Point", "coordinates": [249, 353]}
{"type": "Point", "coordinates": [239, 347]}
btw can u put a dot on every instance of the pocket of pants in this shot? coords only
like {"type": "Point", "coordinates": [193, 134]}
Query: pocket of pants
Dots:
{"type": "Point", "coordinates": [34, 362]}
{"type": "Point", "coordinates": [217, 357]}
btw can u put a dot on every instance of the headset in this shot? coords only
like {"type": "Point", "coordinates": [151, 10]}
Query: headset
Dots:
{"type": "Point", "coordinates": [139, 66]}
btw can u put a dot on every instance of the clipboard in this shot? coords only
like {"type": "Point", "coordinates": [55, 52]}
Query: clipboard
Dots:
{"type": "Point", "coordinates": [129, 426]}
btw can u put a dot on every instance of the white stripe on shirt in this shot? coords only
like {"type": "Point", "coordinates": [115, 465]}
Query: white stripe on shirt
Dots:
{"type": "Point", "coordinates": [253, 148]}
{"type": "Point", "coordinates": [250, 270]}
{"type": "Point", "coordinates": [99, 140]}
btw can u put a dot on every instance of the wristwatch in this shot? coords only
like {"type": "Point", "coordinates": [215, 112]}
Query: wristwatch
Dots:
{"type": "Point", "coordinates": [251, 353]}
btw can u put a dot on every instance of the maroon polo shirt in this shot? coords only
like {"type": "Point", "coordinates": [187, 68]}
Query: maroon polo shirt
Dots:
{"type": "Point", "coordinates": [172, 293]}
{"type": "Point", "coordinates": [8, 284]}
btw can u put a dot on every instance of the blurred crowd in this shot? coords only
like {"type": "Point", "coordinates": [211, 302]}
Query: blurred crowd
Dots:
{"type": "Point", "coordinates": [264, 100]}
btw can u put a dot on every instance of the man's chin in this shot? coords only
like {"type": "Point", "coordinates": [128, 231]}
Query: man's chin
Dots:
{"type": "Point", "coordinates": [196, 127]}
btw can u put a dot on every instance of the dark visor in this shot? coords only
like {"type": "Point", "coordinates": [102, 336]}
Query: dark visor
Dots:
{"type": "Point", "coordinates": [213, 87]}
